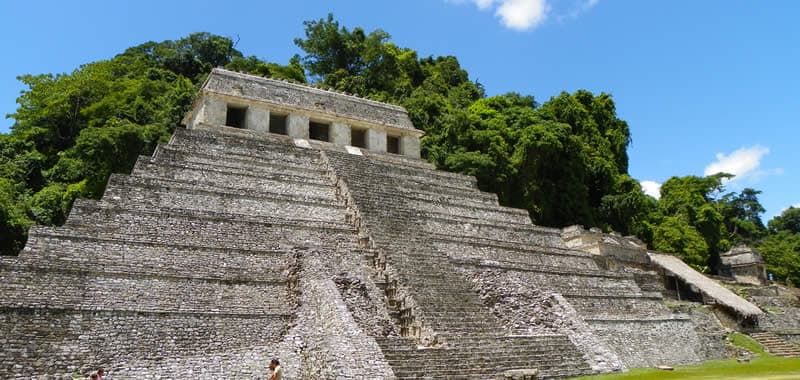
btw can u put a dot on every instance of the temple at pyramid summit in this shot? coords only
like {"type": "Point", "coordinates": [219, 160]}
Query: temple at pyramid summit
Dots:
{"type": "Point", "coordinates": [290, 222]}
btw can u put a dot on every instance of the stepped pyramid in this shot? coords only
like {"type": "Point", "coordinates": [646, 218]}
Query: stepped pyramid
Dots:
{"type": "Point", "coordinates": [291, 222]}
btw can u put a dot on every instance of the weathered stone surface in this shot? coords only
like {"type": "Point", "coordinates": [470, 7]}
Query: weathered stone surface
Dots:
{"type": "Point", "coordinates": [229, 247]}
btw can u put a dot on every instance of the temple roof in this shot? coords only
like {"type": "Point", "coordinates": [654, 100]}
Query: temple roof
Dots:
{"type": "Point", "coordinates": [707, 286]}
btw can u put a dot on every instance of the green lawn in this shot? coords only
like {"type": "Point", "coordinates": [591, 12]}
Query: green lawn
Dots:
{"type": "Point", "coordinates": [760, 368]}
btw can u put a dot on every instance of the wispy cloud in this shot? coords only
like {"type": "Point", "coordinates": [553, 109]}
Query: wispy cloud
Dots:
{"type": "Point", "coordinates": [578, 8]}
{"type": "Point", "coordinates": [743, 163]}
{"type": "Point", "coordinates": [651, 188]}
{"type": "Point", "coordinates": [528, 14]}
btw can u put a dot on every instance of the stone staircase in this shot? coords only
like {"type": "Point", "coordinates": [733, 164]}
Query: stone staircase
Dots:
{"type": "Point", "coordinates": [432, 226]}
{"type": "Point", "coordinates": [776, 345]}
{"type": "Point", "coordinates": [446, 329]}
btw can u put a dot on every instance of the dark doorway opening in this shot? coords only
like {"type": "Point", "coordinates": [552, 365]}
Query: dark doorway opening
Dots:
{"type": "Point", "coordinates": [393, 144]}
{"type": "Point", "coordinates": [358, 137]}
{"type": "Point", "coordinates": [318, 131]}
{"type": "Point", "coordinates": [235, 116]}
{"type": "Point", "coordinates": [277, 124]}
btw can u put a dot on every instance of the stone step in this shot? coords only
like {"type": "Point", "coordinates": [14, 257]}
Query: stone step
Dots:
{"type": "Point", "coordinates": [360, 170]}
{"type": "Point", "coordinates": [483, 358]}
{"type": "Point", "coordinates": [145, 258]}
{"type": "Point", "coordinates": [138, 193]}
{"type": "Point", "coordinates": [456, 211]}
{"type": "Point", "coordinates": [388, 185]}
{"type": "Point", "coordinates": [377, 164]}
{"type": "Point", "coordinates": [220, 230]}
{"type": "Point", "coordinates": [221, 141]}
{"type": "Point", "coordinates": [776, 345]}
{"type": "Point", "coordinates": [418, 188]}
{"type": "Point", "coordinates": [575, 274]}
{"type": "Point", "coordinates": [485, 247]}
{"type": "Point", "coordinates": [618, 306]}
{"type": "Point", "coordinates": [229, 178]}
{"type": "Point", "coordinates": [256, 166]}
{"type": "Point", "coordinates": [94, 289]}
{"type": "Point", "coordinates": [399, 160]}
{"type": "Point", "coordinates": [485, 342]}
{"type": "Point", "coordinates": [466, 199]}
{"type": "Point", "coordinates": [522, 234]}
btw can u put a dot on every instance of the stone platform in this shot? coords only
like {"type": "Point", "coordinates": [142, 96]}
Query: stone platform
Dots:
{"type": "Point", "coordinates": [232, 246]}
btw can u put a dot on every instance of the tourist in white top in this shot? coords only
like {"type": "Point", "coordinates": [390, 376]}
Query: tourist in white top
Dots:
{"type": "Point", "coordinates": [275, 367]}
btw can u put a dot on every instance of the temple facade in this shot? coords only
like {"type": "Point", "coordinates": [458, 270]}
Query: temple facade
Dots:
{"type": "Point", "coordinates": [243, 101]}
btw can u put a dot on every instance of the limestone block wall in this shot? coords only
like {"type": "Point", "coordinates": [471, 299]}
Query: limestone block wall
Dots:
{"type": "Point", "coordinates": [257, 119]}
{"type": "Point", "coordinates": [526, 309]}
{"type": "Point", "coordinates": [340, 134]}
{"type": "Point", "coordinates": [376, 140]}
{"type": "Point", "coordinates": [409, 146]}
{"type": "Point", "coordinates": [57, 342]}
{"type": "Point", "coordinates": [650, 342]}
{"type": "Point", "coordinates": [335, 346]}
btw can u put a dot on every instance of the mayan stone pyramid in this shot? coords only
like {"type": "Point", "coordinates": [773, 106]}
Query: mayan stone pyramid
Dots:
{"type": "Point", "coordinates": [290, 222]}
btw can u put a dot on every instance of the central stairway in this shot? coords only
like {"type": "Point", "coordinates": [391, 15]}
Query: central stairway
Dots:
{"type": "Point", "coordinates": [434, 233]}
{"type": "Point", "coordinates": [447, 330]}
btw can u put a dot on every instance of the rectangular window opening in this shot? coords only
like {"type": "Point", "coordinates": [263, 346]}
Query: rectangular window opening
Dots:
{"type": "Point", "coordinates": [393, 144]}
{"type": "Point", "coordinates": [277, 124]}
{"type": "Point", "coordinates": [318, 131]}
{"type": "Point", "coordinates": [235, 116]}
{"type": "Point", "coordinates": [358, 138]}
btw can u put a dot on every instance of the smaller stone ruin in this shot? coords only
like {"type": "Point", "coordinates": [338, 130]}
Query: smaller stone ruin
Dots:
{"type": "Point", "coordinates": [610, 250]}
{"type": "Point", "coordinates": [745, 265]}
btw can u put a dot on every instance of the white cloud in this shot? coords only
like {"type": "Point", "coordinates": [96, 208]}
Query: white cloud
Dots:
{"type": "Point", "coordinates": [528, 14]}
{"type": "Point", "coordinates": [651, 188]}
{"type": "Point", "coordinates": [522, 14]}
{"type": "Point", "coordinates": [742, 163]}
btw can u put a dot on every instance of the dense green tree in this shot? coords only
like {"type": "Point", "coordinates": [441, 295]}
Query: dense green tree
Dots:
{"type": "Point", "coordinates": [673, 234]}
{"type": "Point", "coordinates": [742, 213]}
{"type": "Point", "coordinates": [13, 221]}
{"type": "Point", "coordinates": [788, 220]}
{"type": "Point", "coordinates": [627, 208]}
{"type": "Point", "coordinates": [688, 210]}
{"type": "Point", "coordinates": [693, 207]}
{"type": "Point", "coordinates": [781, 252]}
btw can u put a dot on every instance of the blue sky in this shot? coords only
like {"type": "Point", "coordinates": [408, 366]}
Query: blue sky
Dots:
{"type": "Point", "coordinates": [704, 85]}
